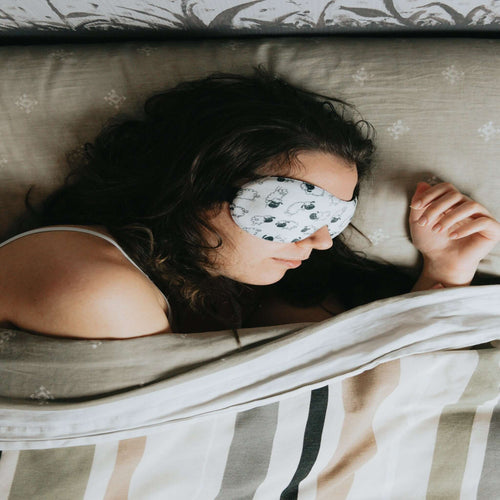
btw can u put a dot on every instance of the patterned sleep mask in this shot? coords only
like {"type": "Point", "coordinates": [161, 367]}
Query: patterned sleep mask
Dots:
{"type": "Point", "coordinates": [288, 210]}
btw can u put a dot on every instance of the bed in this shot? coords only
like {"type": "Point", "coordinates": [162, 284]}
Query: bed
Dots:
{"type": "Point", "coordinates": [397, 399]}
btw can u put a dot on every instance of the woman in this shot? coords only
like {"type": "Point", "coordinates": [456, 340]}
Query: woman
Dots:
{"type": "Point", "coordinates": [221, 208]}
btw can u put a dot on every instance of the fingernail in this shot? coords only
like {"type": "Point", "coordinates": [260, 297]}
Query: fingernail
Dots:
{"type": "Point", "coordinates": [422, 221]}
{"type": "Point", "coordinates": [453, 236]}
{"type": "Point", "coordinates": [436, 228]}
{"type": "Point", "coordinates": [416, 205]}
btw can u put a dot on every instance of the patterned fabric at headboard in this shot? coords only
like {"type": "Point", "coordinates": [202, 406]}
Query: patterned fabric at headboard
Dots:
{"type": "Point", "coordinates": [262, 17]}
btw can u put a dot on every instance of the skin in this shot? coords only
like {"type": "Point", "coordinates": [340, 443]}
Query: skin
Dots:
{"type": "Point", "coordinates": [249, 259]}
{"type": "Point", "coordinates": [85, 287]}
{"type": "Point", "coordinates": [73, 284]}
{"type": "Point", "coordinates": [452, 232]}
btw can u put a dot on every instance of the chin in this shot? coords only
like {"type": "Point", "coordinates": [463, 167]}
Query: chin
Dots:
{"type": "Point", "coordinates": [268, 279]}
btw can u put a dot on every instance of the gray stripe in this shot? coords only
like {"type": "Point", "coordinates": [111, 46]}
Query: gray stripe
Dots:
{"type": "Point", "coordinates": [455, 428]}
{"type": "Point", "coordinates": [250, 452]}
{"type": "Point", "coordinates": [489, 486]}
{"type": "Point", "coordinates": [55, 474]}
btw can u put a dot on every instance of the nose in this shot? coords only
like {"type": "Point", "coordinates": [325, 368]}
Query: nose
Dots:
{"type": "Point", "coordinates": [320, 240]}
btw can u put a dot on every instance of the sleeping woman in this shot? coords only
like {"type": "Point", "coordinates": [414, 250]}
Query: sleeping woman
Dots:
{"type": "Point", "coordinates": [222, 208]}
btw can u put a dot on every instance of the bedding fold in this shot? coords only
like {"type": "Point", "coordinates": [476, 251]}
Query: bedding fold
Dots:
{"type": "Point", "coordinates": [58, 392]}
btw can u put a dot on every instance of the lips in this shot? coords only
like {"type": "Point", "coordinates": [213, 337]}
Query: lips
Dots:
{"type": "Point", "coordinates": [294, 259]}
{"type": "Point", "coordinates": [290, 263]}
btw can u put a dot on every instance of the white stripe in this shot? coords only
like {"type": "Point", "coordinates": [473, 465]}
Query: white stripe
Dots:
{"type": "Point", "coordinates": [216, 454]}
{"type": "Point", "coordinates": [477, 450]}
{"type": "Point", "coordinates": [8, 465]}
{"type": "Point", "coordinates": [186, 461]}
{"type": "Point", "coordinates": [437, 380]}
{"type": "Point", "coordinates": [332, 430]}
{"type": "Point", "coordinates": [406, 423]}
{"type": "Point", "coordinates": [101, 471]}
{"type": "Point", "coordinates": [287, 446]}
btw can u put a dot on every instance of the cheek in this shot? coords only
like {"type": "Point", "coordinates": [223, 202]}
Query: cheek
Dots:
{"type": "Point", "coordinates": [257, 249]}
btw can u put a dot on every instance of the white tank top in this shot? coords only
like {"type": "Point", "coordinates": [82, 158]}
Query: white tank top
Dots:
{"type": "Point", "coordinates": [95, 233]}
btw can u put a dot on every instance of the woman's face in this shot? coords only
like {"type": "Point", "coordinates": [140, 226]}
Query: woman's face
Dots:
{"type": "Point", "coordinates": [249, 259]}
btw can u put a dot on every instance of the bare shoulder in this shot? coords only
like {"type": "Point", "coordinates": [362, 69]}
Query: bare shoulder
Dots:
{"type": "Point", "coordinates": [76, 285]}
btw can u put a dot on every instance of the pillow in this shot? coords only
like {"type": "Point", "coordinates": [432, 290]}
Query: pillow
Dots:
{"type": "Point", "coordinates": [433, 102]}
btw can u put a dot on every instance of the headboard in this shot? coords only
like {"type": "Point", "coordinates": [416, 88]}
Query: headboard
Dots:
{"type": "Point", "coordinates": [156, 18]}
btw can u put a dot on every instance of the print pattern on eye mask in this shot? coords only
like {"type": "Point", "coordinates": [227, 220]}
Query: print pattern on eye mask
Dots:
{"type": "Point", "coordinates": [287, 210]}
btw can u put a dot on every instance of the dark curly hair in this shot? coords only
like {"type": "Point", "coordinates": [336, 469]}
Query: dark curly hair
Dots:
{"type": "Point", "coordinates": [151, 180]}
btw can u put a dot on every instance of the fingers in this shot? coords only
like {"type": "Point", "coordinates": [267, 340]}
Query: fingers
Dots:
{"type": "Point", "coordinates": [425, 194]}
{"type": "Point", "coordinates": [422, 198]}
{"type": "Point", "coordinates": [486, 226]}
{"type": "Point", "coordinates": [416, 211]}
{"type": "Point", "coordinates": [421, 188]}
{"type": "Point", "coordinates": [450, 217]}
{"type": "Point", "coordinates": [432, 212]}
{"type": "Point", "coordinates": [442, 206]}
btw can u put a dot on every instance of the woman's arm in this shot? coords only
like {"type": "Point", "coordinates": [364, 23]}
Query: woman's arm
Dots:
{"type": "Point", "coordinates": [452, 232]}
{"type": "Point", "coordinates": [75, 285]}
{"type": "Point", "coordinates": [425, 283]}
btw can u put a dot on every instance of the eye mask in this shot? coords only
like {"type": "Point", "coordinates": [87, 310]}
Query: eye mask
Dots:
{"type": "Point", "coordinates": [288, 210]}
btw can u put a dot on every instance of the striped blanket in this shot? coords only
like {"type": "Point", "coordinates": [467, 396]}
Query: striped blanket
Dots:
{"type": "Point", "coordinates": [397, 399]}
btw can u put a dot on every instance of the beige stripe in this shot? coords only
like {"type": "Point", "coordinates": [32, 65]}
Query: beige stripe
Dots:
{"type": "Point", "coordinates": [362, 395]}
{"type": "Point", "coordinates": [129, 455]}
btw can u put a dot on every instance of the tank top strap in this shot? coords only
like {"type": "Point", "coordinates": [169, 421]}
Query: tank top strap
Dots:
{"type": "Point", "coordinates": [95, 233]}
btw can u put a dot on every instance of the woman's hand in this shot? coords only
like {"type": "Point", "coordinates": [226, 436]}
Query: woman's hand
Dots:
{"type": "Point", "coordinates": [452, 231]}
